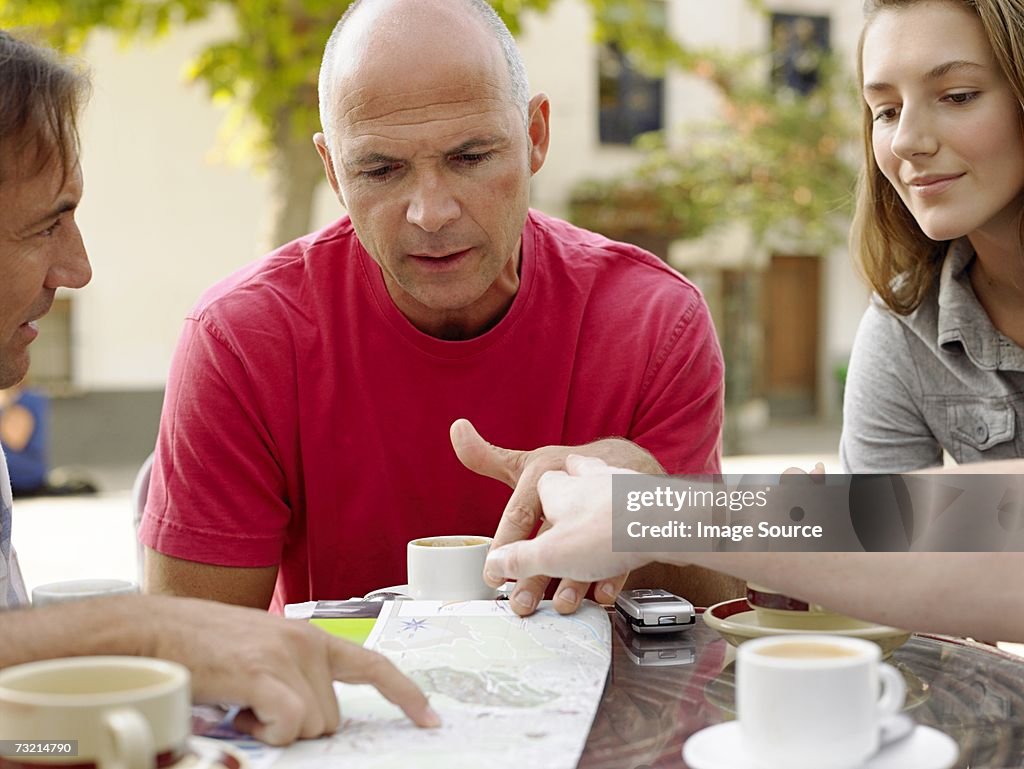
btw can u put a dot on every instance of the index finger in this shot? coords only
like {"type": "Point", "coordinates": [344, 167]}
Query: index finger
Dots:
{"type": "Point", "coordinates": [357, 665]}
{"type": "Point", "coordinates": [521, 513]}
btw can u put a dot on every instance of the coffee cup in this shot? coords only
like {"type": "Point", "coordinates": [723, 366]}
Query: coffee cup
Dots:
{"type": "Point", "coordinates": [80, 589]}
{"type": "Point", "coordinates": [814, 701]}
{"type": "Point", "coordinates": [105, 712]}
{"type": "Point", "coordinates": [448, 568]}
{"type": "Point", "coordinates": [774, 609]}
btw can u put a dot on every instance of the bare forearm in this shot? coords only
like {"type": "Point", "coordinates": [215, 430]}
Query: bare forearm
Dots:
{"type": "Point", "coordinates": [115, 625]}
{"type": "Point", "coordinates": [973, 594]}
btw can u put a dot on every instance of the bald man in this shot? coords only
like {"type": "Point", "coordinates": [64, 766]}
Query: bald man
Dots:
{"type": "Point", "coordinates": [323, 404]}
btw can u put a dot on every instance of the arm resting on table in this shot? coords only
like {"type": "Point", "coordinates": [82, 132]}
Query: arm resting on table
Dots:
{"type": "Point", "coordinates": [967, 594]}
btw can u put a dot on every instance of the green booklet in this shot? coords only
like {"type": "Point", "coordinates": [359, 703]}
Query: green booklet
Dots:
{"type": "Point", "coordinates": [352, 620]}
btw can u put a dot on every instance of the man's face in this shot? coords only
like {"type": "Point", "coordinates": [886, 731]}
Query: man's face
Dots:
{"type": "Point", "coordinates": [40, 249]}
{"type": "Point", "coordinates": [433, 161]}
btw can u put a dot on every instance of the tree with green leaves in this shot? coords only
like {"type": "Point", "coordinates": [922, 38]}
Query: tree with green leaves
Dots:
{"type": "Point", "coordinates": [267, 68]}
{"type": "Point", "coordinates": [777, 161]}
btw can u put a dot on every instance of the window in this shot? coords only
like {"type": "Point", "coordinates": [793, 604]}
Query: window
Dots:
{"type": "Point", "coordinates": [51, 351]}
{"type": "Point", "coordinates": [799, 46]}
{"type": "Point", "coordinates": [630, 103]}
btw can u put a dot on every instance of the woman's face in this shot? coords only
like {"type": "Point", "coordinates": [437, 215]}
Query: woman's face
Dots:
{"type": "Point", "coordinates": [946, 126]}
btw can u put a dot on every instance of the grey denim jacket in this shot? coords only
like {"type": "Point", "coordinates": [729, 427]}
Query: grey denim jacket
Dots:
{"type": "Point", "coordinates": [940, 378]}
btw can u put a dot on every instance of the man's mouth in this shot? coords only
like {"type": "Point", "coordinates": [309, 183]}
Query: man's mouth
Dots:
{"type": "Point", "coordinates": [32, 324]}
{"type": "Point", "coordinates": [440, 261]}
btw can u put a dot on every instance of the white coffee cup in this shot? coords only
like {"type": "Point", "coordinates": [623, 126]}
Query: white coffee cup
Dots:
{"type": "Point", "coordinates": [448, 568]}
{"type": "Point", "coordinates": [80, 589]}
{"type": "Point", "coordinates": [813, 701]}
{"type": "Point", "coordinates": [123, 712]}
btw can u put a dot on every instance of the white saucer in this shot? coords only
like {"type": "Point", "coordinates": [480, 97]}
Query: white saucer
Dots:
{"type": "Point", "coordinates": [736, 622]}
{"type": "Point", "coordinates": [395, 591]}
{"type": "Point", "coordinates": [722, 747]}
{"type": "Point", "coordinates": [402, 591]}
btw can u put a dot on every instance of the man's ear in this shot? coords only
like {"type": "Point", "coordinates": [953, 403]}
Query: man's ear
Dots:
{"type": "Point", "coordinates": [325, 156]}
{"type": "Point", "coordinates": [539, 111]}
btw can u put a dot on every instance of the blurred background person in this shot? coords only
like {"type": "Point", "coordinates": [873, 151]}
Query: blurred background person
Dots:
{"type": "Point", "coordinates": [24, 435]}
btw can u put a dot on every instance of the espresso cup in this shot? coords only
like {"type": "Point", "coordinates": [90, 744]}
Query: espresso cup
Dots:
{"type": "Point", "coordinates": [448, 568]}
{"type": "Point", "coordinates": [102, 712]}
{"type": "Point", "coordinates": [80, 589]}
{"type": "Point", "coordinates": [813, 701]}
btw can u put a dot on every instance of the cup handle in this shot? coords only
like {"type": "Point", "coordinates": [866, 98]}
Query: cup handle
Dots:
{"type": "Point", "coordinates": [130, 741]}
{"type": "Point", "coordinates": [894, 690]}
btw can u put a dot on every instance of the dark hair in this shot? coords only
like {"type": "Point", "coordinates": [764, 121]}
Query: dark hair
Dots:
{"type": "Point", "coordinates": [40, 96]}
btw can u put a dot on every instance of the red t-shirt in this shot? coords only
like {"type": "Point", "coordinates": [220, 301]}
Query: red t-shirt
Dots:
{"type": "Point", "coordinates": [306, 420]}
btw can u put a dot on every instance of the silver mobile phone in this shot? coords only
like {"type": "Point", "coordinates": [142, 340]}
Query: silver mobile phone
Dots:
{"type": "Point", "coordinates": [652, 610]}
{"type": "Point", "coordinates": [655, 650]}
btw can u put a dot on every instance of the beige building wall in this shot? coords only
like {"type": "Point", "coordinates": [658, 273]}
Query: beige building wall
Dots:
{"type": "Point", "coordinates": [163, 219]}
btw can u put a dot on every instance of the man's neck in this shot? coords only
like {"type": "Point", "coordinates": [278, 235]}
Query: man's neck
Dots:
{"type": "Point", "coordinates": [465, 322]}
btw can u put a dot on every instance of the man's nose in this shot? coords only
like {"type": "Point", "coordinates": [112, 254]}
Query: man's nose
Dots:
{"type": "Point", "coordinates": [71, 268]}
{"type": "Point", "coordinates": [432, 205]}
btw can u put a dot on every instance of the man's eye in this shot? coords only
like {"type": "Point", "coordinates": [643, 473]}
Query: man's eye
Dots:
{"type": "Point", "coordinates": [472, 158]}
{"type": "Point", "coordinates": [380, 172]}
{"type": "Point", "coordinates": [48, 232]}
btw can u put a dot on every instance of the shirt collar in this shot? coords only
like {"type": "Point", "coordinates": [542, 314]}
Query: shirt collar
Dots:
{"type": "Point", "coordinates": [963, 324]}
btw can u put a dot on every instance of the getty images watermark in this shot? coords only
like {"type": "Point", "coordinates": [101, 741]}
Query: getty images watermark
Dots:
{"type": "Point", "coordinates": [818, 513]}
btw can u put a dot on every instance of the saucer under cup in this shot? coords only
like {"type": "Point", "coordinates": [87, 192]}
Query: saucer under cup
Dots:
{"type": "Point", "coordinates": [812, 702]}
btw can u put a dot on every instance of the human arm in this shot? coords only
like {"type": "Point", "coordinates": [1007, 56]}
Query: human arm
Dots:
{"type": "Point", "coordinates": [884, 430]}
{"type": "Point", "coordinates": [964, 594]}
{"type": "Point", "coordinates": [673, 424]}
{"type": "Point", "coordinates": [940, 592]}
{"type": "Point", "coordinates": [521, 470]}
{"type": "Point", "coordinates": [253, 587]}
{"type": "Point", "coordinates": [522, 513]}
{"type": "Point", "coordinates": [280, 670]}
{"type": "Point", "coordinates": [218, 508]}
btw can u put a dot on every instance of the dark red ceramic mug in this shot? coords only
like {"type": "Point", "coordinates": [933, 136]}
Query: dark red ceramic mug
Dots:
{"type": "Point", "coordinates": [776, 609]}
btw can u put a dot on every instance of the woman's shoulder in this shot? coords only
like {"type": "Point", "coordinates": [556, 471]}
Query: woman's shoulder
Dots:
{"type": "Point", "coordinates": [921, 322]}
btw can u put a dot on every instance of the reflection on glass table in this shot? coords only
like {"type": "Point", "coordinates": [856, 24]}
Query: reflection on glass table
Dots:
{"type": "Point", "coordinates": [973, 692]}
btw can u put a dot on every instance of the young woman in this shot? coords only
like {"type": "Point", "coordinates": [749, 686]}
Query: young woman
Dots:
{"type": "Point", "coordinates": [938, 360]}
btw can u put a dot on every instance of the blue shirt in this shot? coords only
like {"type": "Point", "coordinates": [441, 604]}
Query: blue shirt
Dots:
{"type": "Point", "coordinates": [27, 468]}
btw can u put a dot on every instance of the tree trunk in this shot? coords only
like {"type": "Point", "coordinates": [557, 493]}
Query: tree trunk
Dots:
{"type": "Point", "coordinates": [295, 173]}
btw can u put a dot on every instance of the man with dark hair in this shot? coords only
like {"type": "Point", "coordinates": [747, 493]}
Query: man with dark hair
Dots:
{"type": "Point", "coordinates": [281, 670]}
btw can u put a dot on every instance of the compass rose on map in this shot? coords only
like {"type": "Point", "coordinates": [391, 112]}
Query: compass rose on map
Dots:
{"type": "Point", "coordinates": [412, 625]}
